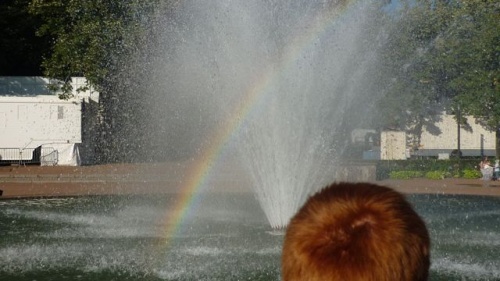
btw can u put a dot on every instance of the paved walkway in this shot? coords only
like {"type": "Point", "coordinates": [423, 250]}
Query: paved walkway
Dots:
{"type": "Point", "coordinates": [445, 186]}
{"type": "Point", "coordinates": [36, 181]}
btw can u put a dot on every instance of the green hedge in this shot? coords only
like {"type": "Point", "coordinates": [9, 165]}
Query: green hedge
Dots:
{"type": "Point", "coordinates": [437, 175]}
{"type": "Point", "coordinates": [472, 174]}
{"type": "Point", "coordinates": [405, 175]}
{"type": "Point", "coordinates": [435, 168]}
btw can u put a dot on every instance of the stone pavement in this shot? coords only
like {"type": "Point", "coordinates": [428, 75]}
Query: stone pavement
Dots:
{"type": "Point", "coordinates": [445, 186]}
{"type": "Point", "coordinates": [36, 181]}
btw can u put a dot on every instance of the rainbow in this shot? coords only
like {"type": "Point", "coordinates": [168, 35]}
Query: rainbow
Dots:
{"type": "Point", "coordinates": [199, 172]}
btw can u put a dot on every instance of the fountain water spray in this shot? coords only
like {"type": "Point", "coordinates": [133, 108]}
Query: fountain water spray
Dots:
{"type": "Point", "coordinates": [293, 70]}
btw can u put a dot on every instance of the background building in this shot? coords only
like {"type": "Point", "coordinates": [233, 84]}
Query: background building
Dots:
{"type": "Point", "coordinates": [37, 127]}
{"type": "Point", "coordinates": [440, 141]}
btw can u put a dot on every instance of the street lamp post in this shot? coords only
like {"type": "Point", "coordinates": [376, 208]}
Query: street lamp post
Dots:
{"type": "Point", "coordinates": [459, 116]}
{"type": "Point", "coordinates": [459, 153]}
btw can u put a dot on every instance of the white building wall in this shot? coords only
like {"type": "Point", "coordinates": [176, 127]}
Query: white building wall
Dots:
{"type": "Point", "coordinates": [392, 145]}
{"type": "Point", "coordinates": [32, 116]}
{"type": "Point", "coordinates": [448, 138]}
{"type": "Point", "coordinates": [33, 121]}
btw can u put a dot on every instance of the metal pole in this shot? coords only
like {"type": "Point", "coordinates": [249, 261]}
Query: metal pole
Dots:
{"type": "Point", "coordinates": [458, 132]}
{"type": "Point", "coordinates": [459, 153]}
{"type": "Point", "coordinates": [482, 145]}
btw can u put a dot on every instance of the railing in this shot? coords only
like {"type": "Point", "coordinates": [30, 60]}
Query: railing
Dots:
{"type": "Point", "coordinates": [41, 155]}
{"type": "Point", "coordinates": [49, 156]}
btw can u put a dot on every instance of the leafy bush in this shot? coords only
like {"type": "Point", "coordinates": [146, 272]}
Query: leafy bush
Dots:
{"type": "Point", "coordinates": [405, 175]}
{"type": "Point", "coordinates": [472, 174]}
{"type": "Point", "coordinates": [435, 175]}
{"type": "Point", "coordinates": [453, 167]}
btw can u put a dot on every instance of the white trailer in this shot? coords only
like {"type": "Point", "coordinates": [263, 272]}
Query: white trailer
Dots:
{"type": "Point", "coordinates": [32, 117]}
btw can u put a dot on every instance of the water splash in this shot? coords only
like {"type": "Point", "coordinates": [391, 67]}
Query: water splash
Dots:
{"type": "Point", "coordinates": [280, 78]}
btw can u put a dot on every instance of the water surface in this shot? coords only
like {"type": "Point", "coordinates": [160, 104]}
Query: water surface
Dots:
{"type": "Point", "coordinates": [225, 237]}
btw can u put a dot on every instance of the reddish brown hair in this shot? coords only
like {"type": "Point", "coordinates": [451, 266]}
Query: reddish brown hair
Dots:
{"type": "Point", "coordinates": [356, 231]}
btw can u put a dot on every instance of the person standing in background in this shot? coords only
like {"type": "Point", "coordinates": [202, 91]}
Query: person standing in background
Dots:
{"type": "Point", "coordinates": [496, 169]}
{"type": "Point", "coordinates": [486, 171]}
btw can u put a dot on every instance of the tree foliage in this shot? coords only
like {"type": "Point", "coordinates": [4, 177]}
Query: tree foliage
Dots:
{"type": "Point", "coordinates": [100, 39]}
{"type": "Point", "coordinates": [21, 50]}
{"type": "Point", "coordinates": [408, 102]}
{"type": "Point", "coordinates": [91, 38]}
{"type": "Point", "coordinates": [443, 55]}
{"type": "Point", "coordinates": [464, 60]}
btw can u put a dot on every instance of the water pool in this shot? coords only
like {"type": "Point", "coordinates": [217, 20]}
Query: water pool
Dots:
{"type": "Point", "coordinates": [224, 237]}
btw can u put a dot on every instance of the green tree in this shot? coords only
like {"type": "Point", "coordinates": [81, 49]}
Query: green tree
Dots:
{"type": "Point", "coordinates": [466, 58]}
{"type": "Point", "coordinates": [408, 102]}
{"type": "Point", "coordinates": [91, 37]}
{"type": "Point", "coordinates": [99, 40]}
{"type": "Point", "coordinates": [444, 55]}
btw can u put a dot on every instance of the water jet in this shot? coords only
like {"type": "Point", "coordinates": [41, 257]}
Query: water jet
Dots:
{"type": "Point", "coordinates": [270, 83]}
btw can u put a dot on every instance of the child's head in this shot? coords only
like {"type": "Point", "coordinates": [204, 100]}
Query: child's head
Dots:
{"type": "Point", "coordinates": [356, 232]}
